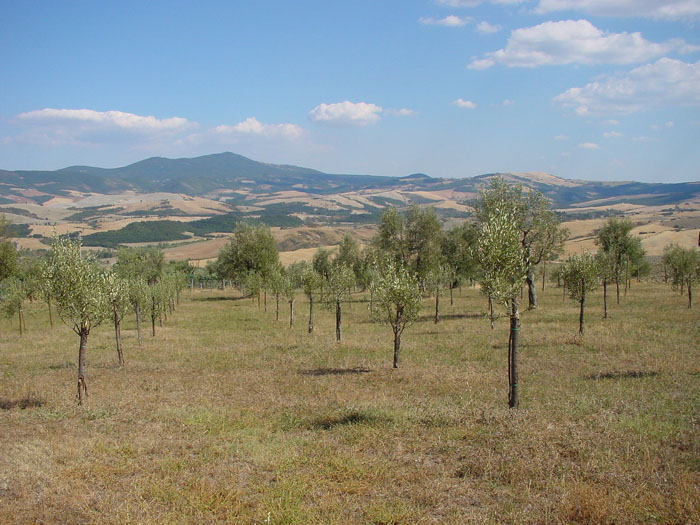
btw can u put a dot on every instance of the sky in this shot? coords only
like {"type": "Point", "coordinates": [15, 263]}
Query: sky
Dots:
{"type": "Point", "coordinates": [582, 89]}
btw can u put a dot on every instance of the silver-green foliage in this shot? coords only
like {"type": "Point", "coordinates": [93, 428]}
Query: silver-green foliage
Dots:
{"type": "Point", "coordinates": [77, 285]}
{"type": "Point", "coordinates": [581, 274]}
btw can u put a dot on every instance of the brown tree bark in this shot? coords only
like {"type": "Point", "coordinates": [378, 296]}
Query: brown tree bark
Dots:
{"type": "Point", "coordinates": [397, 336]}
{"type": "Point", "coordinates": [513, 397]}
{"type": "Point", "coordinates": [580, 316]}
{"type": "Point", "coordinates": [531, 290]}
{"type": "Point", "coordinates": [291, 313]}
{"type": "Point", "coordinates": [337, 321]}
{"type": "Point", "coordinates": [137, 310]}
{"type": "Point", "coordinates": [311, 313]}
{"type": "Point", "coordinates": [82, 385]}
{"type": "Point", "coordinates": [118, 335]}
{"type": "Point", "coordinates": [437, 306]}
{"type": "Point", "coordinates": [605, 298]}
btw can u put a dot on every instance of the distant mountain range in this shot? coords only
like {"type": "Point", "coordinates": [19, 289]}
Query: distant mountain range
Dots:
{"type": "Point", "coordinates": [211, 174]}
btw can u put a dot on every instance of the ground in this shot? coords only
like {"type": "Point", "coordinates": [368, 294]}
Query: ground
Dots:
{"type": "Point", "coordinates": [229, 416]}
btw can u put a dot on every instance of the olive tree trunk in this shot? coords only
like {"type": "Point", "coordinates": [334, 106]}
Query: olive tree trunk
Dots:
{"type": "Point", "coordinates": [291, 313]}
{"type": "Point", "coordinates": [337, 321]}
{"type": "Point", "coordinates": [118, 335]}
{"type": "Point", "coordinates": [437, 306]}
{"type": "Point", "coordinates": [605, 298]}
{"type": "Point", "coordinates": [82, 385]}
{"type": "Point", "coordinates": [277, 311]}
{"type": "Point", "coordinates": [580, 315]}
{"type": "Point", "coordinates": [513, 398]}
{"type": "Point", "coordinates": [137, 311]}
{"type": "Point", "coordinates": [398, 322]}
{"type": "Point", "coordinates": [311, 313]}
{"type": "Point", "coordinates": [531, 289]}
{"type": "Point", "coordinates": [690, 294]}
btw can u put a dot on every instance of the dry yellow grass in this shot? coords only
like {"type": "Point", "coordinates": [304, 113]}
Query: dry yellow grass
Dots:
{"type": "Point", "coordinates": [229, 416]}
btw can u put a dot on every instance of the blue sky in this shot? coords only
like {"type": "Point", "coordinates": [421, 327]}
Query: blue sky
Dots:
{"type": "Point", "coordinates": [589, 89]}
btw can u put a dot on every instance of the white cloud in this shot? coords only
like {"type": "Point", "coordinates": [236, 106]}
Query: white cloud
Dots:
{"type": "Point", "coordinates": [358, 113]}
{"type": "Point", "coordinates": [475, 3]}
{"type": "Point", "coordinates": [561, 137]}
{"type": "Point", "coordinates": [612, 134]}
{"type": "Point", "coordinates": [403, 112]}
{"type": "Point", "coordinates": [507, 102]}
{"type": "Point", "coordinates": [576, 42]}
{"type": "Point", "coordinates": [589, 145]}
{"type": "Point", "coordinates": [662, 83]}
{"type": "Point", "coordinates": [106, 120]}
{"type": "Point", "coordinates": [611, 122]}
{"type": "Point", "coordinates": [466, 104]}
{"type": "Point", "coordinates": [669, 124]}
{"type": "Point", "coordinates": [486, 29]}
{"type": "Point", "coordinates": [448, 21]}
{"type": "Point", "coordinates": [659, 9]}
{"type": "Point", "coordinates": [644, 139]}
{"type": "Point", "coordinates": [252, 126]}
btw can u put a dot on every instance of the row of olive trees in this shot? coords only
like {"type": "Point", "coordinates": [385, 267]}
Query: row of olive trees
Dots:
{"type": "Point", "coordinates": [86, 295]}
{"type": "Point", "coordinates": [684, 264]}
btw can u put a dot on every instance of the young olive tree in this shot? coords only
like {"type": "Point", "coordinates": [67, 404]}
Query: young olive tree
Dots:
{"type": "Point", "coordinates": [290, 290]}
{"type": "Point", "coordinates": [616, 242]}
{"type": "Point", "coordinates": [311, 282]}
{"type": "Point", "coordinates": [685, 268]}
{"type": "Point", "coordinates": [582, 276]}
{"type": "Point", "coordinates": [139, 296]}
{"type": "Point", "coordinates": [340, 279]}
{"type": "Point", "coordinates": [79, 289]}
{"type": "Point", "coordinates": [399, 299]}
{"type": "Point", "coordinates": [541, 237]}
{"type": "Point", "coordinates": [503, 270]}
{"type": "Point", "coordinates": [118, 297]}
{"type": "Point", "coordinates": [13, 293]}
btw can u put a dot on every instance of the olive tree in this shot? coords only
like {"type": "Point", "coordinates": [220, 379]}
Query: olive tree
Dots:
{"type": "Point", "coordinates": [118, 297]}
{"type": "Point", "coordinates": [582, 275]}
{"type": "Point", "coordinates": [79, 289]}
{"type": "Point", "coordinates": [398, 298]}
{"type": "Point", "coordinates": [685, 267]}
{"type": "Point", "coordinates": [503, 269]}
{"type": "Point", "coordinates": [13, 293]}
{"type": "Point", "coordinates": [540, 234]}
{"type": "Point", "coordinates": [616, 242]}
{"type": "Point", "coordinates": [311, 282]}
{"type": "Point", "coordinates": [139, 297]}
{"type": "Point", "coordinates": [340, 279]}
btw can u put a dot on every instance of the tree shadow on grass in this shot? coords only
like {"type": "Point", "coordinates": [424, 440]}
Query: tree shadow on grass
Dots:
{"type": "Point", "coordinates": [630, 374]}
{"type": "Point", "coordinates": [353, 417]}
{"type": "Point", "coordinates": [28, 401]}
{"type": "Point", "coordinates": [447, 317]}
{"type": "Point", "coordinates": [219, 298]}
{"type": "Point", "coordinates": [334, 371]}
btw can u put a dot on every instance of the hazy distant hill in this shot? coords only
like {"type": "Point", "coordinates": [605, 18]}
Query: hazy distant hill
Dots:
{"type": "Point", "coordinates": [202, 176]}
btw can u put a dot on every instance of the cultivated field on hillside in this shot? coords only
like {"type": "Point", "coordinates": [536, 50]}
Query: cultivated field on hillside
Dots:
{"type": "Point", "coordinates": [230, 416]}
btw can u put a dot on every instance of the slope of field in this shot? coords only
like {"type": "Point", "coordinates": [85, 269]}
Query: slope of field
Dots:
{"type": "Point", "coordinates": [228, 416]}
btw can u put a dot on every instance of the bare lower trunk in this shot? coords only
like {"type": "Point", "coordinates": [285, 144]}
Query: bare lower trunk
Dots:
{"type": "Point", "coordinates": [50, 314]}
{"type": "Point", "coordinates": [397, 347]}
{"type": "Point", "coordinates": [371, 302]}
{"type": "Point", "coordinates": [580, 316]}
{"type": "Point", "coordinates": [452, 301]}
{"type": "Point", "coordinates": [291, 313]}
{"type": "Point", "coordinates": [265, 303]}
{"type": "Point", "coordinates": [513, 398]}
{"type": "Point", "coordinates": [118, 336]}
{"type": "Point", "coordinates": [277, 311]}
{"type": "Point", "coordinates": [153, 325]}
{"type": "Point", "coordinates": [544, 273]}
{"type": "Point", "coordinates": [605, 298]}
{"type": "Point", "coordinates": [311, 313]}
{"type": "Point", "coordinates": [337, 321]}
{"type": "Point", "coordinates": [531, 290]}
{"type": "Point", "coordinates": [437, 306]}
{"type": "Point", "coordinates": [690, 295]}
{"type": "Point", "coordinates": [491, 311]}
{"type": "Point", "coordinates": [20, 314]}
{"type": "Point", "coordinates": [82, 385]}
{"type": "Point", "coordinates": [617, 288]}
{"type": "Point", "coordinates": [137, 310]}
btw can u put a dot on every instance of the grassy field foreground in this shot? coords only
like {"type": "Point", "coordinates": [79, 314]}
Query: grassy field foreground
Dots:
{"type": "Point", "coordinates": [229, 416]}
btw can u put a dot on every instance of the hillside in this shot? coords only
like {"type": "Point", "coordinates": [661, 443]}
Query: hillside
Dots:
{"type": "Point", "coordinates": [198, 199]}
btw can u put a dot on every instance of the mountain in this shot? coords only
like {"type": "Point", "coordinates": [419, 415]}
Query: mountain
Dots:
{"type": "Point", "coordinates": [235, 175]}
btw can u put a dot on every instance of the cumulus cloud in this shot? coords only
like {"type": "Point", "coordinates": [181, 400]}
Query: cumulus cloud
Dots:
{"type": "Point", "coordinates": [576, 42]}
{"type": "Point", "coordinates": [357, 113]}
{"type": "Point", "coordinates": [106, 120]}
{"type": "Point", "coordinates": [448, 21]}
{"type": "Point", "coordinates": [507, 102]}
{"type": "Point", "coordinates": [589, 145]}
{"type": "Point", "coordinates": [612, 134]}
{"type": "Point", "coordinates": [664, 82]}
{"type": "Point", "coordinates": [658, 9]}
{"type": "Point", "coordinates": [475, 3]}
{"type": "Point", "coordinates": [486, 29]}
{"type": "Point", "coordinates": [466, 104]}
{"type": "Point", "coordinates": [403, 112]}
{"type": "Point", "coordinates": [252, 126]}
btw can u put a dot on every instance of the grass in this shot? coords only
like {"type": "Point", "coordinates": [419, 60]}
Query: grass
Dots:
{"type": "Point", "coordinates": [229, 416]}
